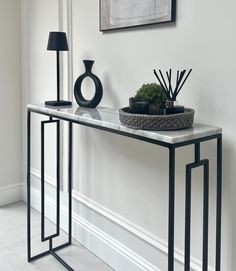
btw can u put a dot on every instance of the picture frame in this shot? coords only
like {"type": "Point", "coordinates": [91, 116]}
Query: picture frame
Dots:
{"type": "Point", "coordinates": [122, 14]}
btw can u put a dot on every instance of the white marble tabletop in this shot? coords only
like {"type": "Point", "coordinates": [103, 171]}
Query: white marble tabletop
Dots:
{"type": "Point", "coordinates": [109, 118]}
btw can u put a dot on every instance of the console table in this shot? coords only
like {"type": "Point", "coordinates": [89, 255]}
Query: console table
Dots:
{"type": "Point", "coordinates": [107, 119]}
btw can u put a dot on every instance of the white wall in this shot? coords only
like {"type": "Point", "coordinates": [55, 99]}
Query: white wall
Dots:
{"type": "Point", "coordinates": [10, 102]}
{"type": "Point", "coordinates": [121, 185]}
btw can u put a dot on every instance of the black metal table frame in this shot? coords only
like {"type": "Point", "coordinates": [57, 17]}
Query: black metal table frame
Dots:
{"type": "Point", "coordinates": [171, 147]}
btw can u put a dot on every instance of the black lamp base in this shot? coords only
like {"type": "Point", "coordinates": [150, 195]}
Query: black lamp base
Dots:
{"type": "Point", "coordinates": [58, 103]}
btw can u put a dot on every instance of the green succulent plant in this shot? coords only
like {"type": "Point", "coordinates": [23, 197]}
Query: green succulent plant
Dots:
{"type": "Point", "coordinates": [153, 92]}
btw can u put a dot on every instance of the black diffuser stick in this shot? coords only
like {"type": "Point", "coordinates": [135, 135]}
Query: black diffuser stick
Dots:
{"type": "Point", "coordinates": [164, 89]}
{"type": "Point", "coordinates": [184, 82]}
{"type": "Point", "coordinates": [169, 80]}
{"type": "Point", "coordinates": [176, 85]}
{"type": "Point", "coordinates": [158, 78]}
{"type": "Point", "coordinates": [163, 80]}
{"type": "Point", "coordinates": [177, 76]}
{"type": "Point", "coordinates": [177, 80]}
{"type": "Point", "coordinates": [180, 79]}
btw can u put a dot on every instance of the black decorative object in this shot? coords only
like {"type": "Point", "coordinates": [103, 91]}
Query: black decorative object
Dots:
{"type": "Point", "coordinates": [172, 93]}
{"type": "Point", "coordinates": [171, 108]}
{"type": "Point", "coordinates": [98, 87]}
{"type": "Point", "coordinates": [132, 13]}
{"type": "Point", "coordinates": [57, 42]}
{"type": "Point", "coordinates": [138, 105]}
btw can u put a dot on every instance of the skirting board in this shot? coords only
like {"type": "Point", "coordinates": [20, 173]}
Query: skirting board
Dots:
{"type": "Point", "coordinates": [10, 194]}
{"type": "Point", "coordinates": [134, 229]}
{"type": "Point", "coordinates": [115, 254]}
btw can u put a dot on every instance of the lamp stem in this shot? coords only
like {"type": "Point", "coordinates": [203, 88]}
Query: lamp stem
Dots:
{"type": "Point", "coordinates": [58, 76]}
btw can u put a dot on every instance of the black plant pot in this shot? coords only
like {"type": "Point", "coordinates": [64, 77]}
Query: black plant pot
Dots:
{"type": "Point", "coordinates": [138, 105]}
{"type": "Point", "coordinates": [98, 87]}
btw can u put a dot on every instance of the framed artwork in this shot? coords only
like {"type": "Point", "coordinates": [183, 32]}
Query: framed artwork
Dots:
{"type": "Point", "coordinates": [116, 14]}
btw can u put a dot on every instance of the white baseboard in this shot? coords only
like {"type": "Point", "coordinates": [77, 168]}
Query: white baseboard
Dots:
{"type": "Point", "coordinates": [10, 193]}
{"type": "Point", "coordinates": [114, 253]}
{"type": "Point", "coordinates": [138, 231]}
{"type": "Point", "coordinates": [127, 225]}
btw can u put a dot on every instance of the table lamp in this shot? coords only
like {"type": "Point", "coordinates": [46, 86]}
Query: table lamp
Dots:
{"type": "Point", "coordinates": [57, 41]}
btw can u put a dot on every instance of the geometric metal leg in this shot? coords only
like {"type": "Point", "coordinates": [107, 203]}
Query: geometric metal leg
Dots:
{"type": "Point", "coordinates": [205, 216]}
{"type": "Point", "coordinates": [189, 167]}
{"type": "Point", "coordinates": [171, 209]}
{"type": "Point", "coordinates": [70, 182]}
{"type": "Point", "coordinates": [43, 238]}
{"type": "Point", "coordinates": [187, 219]}
{"type": "Point", "coordinates": [218, 203]}
{"type": "Point", "coordinates": [52, 250]}
{"type": "Point", "coordinates": [28, 186]}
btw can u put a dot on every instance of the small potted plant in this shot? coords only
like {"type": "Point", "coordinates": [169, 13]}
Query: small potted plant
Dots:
{"type": "Point", "coordinates": [154, 94]}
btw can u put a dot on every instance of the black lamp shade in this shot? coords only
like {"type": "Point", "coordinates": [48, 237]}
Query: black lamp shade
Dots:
{"type": "Point", "coordinates": [57, 41]}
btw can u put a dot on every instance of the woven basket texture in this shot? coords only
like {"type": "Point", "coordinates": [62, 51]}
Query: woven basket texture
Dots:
{"type": "Point", "coordinates": [157, 122]}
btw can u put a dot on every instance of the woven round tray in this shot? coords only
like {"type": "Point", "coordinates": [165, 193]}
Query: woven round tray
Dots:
{"type": "Point", "coordinates": [157, 122]}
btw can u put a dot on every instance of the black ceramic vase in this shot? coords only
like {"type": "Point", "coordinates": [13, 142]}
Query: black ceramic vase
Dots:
{"type": "Point", "coordinates": [98, 87]}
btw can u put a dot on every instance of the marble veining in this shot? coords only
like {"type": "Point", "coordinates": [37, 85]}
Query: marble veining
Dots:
{"type": "Point", "coordinates": [109, 118]}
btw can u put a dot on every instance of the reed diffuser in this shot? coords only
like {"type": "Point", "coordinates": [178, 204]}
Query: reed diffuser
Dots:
{"type": "Point", "coordinates": [170, 91]}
